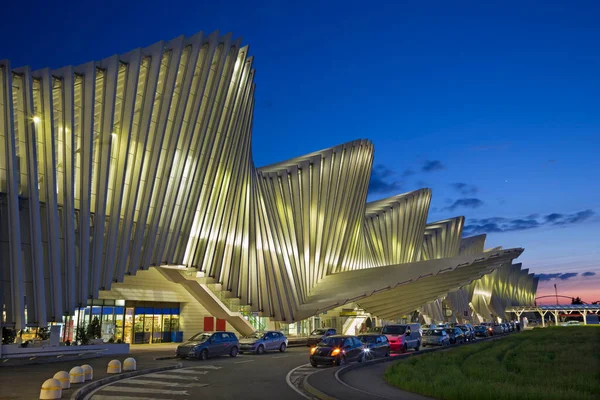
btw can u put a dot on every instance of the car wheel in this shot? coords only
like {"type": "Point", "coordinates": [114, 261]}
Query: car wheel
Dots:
{"type": "Point", "coordinates": [203, 355]}
{"type": "Point", "coordinates": [234, 352]}
{"type": "Point", "coordinates": [282, 347]}
{"type": "Point", "coordinates": [314, 365]}
{"type": "Point", "coordinates": [404, 348]}
{"type": "Point", "coordinates": [387, 353]}
{"type": "Point", "coordinates": [341, 361]}
{"type": "Point", "coordinates": [260, 350]}
{"type": "Point", "coordinates": [418, 346]}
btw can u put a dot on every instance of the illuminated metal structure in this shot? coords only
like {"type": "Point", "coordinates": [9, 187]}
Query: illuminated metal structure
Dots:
{"type": "Point", "coordinates": [144, 160]}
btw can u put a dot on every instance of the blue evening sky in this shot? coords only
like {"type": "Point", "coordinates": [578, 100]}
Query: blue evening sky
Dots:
{"type": "Point", "coordinates": [495, 106]}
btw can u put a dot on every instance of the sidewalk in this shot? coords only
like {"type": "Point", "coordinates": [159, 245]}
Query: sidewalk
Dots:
{"type": "Point", "coordinates": [24, 382]}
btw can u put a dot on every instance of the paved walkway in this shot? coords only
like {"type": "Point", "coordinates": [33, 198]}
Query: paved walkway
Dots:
{"type": "Point", "coordinates": [24, 381]}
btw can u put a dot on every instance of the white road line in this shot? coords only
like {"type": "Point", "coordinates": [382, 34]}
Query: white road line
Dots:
{"type": "Point", "coordinates": [171, 376]}
{"type": "Point", "coordinates": [117, 396]}
{"type": "Point", "coordinates": [164, 383]}
{"type": "Point", "coordinates": [126, 389]}
{"type": "Point", "coordinates": [203, 367]}
{"type": "Point", "coordinates": [288, 379]}
{"type": "Point", "coordinates": [241, 362]}
{"type": "Point", "coordinates": [181, 371]}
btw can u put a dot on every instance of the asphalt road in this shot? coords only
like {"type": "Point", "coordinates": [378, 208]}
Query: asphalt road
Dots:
{"type": "Point", "coordinates": [247, 376]}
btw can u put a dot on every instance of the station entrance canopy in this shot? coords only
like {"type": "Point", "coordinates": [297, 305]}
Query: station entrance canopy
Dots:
{"type": "Point", "coordinates": [144, 160]}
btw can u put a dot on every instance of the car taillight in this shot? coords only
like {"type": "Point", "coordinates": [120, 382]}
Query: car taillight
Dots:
{"type": "Point", "coordinates": [312, 350]}
{"type": "Point", "coordinates": [335, 352]}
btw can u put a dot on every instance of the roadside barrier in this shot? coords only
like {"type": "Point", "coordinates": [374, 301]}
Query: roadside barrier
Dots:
{"type": "Point", "coordinates": [114, 367]}
{"type": "Point", "coordinates": [88, 371]}
{"type": "Point", "coordinates": [64, 378]}
{"type": "Point", "coordinates": [77, 375]}
{"type": "Point", "coordinates": [129, 364]}
{"type": "Point", "coordinates": [51, 389]}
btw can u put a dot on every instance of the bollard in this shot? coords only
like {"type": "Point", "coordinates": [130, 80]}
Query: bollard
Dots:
{"type": "Point", "coordinates": [51, 389]}
{"type": "Point", "coordinates": [64, 378]}
{"type": "Point", "coordinates": [88, 372]}
{"type": "Point", "coordinates": [114, 367]}
{"type": "Point", "coordinates": [129, 364]}
{"type": "Point", "coordinates": [77, 375]}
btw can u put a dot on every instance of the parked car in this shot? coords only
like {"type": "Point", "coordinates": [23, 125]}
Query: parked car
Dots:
{"type": "Point", "coordinates": [319, 334]}
{"type": "Point", "coordinates": [497, 329]}
{"type": "Point", "coordinates": [259, 342]}
{"type": "Point", "coordinates": [209, 344]}
{"type": "Point", "coordinates": [468, 331]}
{"type": "Point", "coordinates": [337, 350]}
{"type": "Point", "coordinates": [435, 337]}
{"type": "Point", "coordinates": [403, 337]}
{"type": "Point", "coordinates": [489, 326]}
{"type": "Point", "coordinates": [482, 331]}
{"type": "Point", "coordinates": [571, 323]}
{"type": "Point", "coordinates": [456, 335]}
{"type": "Point", "coordinates": [375, 345]}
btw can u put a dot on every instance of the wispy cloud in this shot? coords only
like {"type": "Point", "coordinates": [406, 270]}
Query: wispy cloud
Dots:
{"type": "Point", "coordinates": [558, 275]}
{"type": "Point", "coordinates": [432, 166]}
{"type": "Point", "coordinates": [465, 203]}
{"type": "Point", "coordinates": [502, 224]}
{"type": "Point", "coordinates": [408, 172]}
{"type": "Point", "coordinates": [589, 273]}
{"type": "Point", "coordinates": [383, 180]}
{"type": "Point", "coordinates": [464, 188]}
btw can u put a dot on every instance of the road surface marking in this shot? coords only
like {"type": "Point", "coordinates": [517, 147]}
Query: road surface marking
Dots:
{"type": "Point", "coordinates": [183, 371]}
{"type": "Point", "coordinates": [119, 397]}
{"type": "Point", "coordinates": [280, 357]}
{"type": "Point", "coordinates": [123, 388]}
{"type": "Point", "coordinates": [246, 361]}
{"type": "Point", "coordinates": [203, 367]}
{"type": "Point", "coordinates": [166, 383]}
{"type": "Point", "coordinates": [295, 379]}
{"type": "Point", "coordinates": [172, 376]}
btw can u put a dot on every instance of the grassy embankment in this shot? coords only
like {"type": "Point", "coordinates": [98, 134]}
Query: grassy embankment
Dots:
{"type": "Point", "coordinates": [552, 363]}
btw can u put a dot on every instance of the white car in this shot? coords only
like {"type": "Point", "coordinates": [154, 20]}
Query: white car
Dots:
{"type": "Point", "coordinates": [571, 323]}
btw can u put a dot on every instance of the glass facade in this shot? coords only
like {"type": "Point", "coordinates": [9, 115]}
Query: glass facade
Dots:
{"type": "Point", "coordinates": [133, 322]}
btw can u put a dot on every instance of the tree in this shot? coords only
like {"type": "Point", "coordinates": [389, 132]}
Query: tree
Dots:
{"type": "Point", "coordinates": [93, 329]}
{"type": "Point", "coordinates": [80, 336]}
{"type": "Point", "coordinates": [576, 300]}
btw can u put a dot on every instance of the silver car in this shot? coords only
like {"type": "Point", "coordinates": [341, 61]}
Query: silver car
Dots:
{"type": "Point", "coordinates": [261, 341]}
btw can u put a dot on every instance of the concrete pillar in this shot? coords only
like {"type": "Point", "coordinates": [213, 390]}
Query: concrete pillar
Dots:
{"type": "Point", "coordinates": [584, 313]}
{"type": "Point", "coordinates": [543, 314]}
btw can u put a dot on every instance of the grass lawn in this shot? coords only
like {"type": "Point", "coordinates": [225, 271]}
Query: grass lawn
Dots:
{"type": "Point", "coordinates": [551, 363]}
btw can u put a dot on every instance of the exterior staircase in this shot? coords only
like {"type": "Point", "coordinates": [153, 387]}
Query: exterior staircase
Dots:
{"type": "Point", "coordinates": [207, 298]}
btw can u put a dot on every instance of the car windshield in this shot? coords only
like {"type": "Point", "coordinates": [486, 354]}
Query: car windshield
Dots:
{"type": "Point", "coordinates": [331, 342]}
{"type": "Point", "coordinates": [255, 335]}
{"type": "Point", "coordinates": [368, 339]}
{"type": "Point", "coordinates": [433, 332]}
{"type": "Point", "coordinates": [480, 328]}
{"type": "Point", "coordinates": [201, 337]}
{"type": "Point", "coordinates": [450, 331]}
{"type": "Point", "coordinates": [394, 330]}
{"type": "Point", "coordinates": [319, 332]}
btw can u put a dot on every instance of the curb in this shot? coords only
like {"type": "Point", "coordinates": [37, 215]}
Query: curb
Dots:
{"type": "Point", "coordinates": [316, 392]}
{"type": "Point", "coordinates": [81, 393]}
